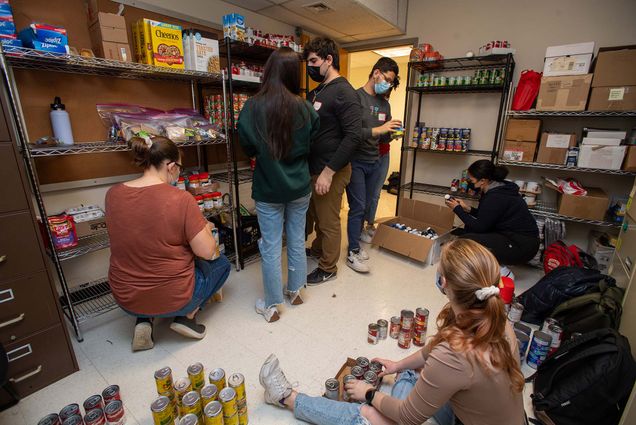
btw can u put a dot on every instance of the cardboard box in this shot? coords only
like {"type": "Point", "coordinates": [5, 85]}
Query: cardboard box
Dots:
{"type": "Point", "coordinates": [519, 151]}
{"type": "Point", "coordinates": [615, 67]}
{"type": "Point", "coordinates": [523, 130]}
{"type": "Point", "coordinates": [109, 37]}
{"type": "Point", "coordinates": [591, 207]}
{"type": "Point", "coordinates": [630, 159]}
{"type": "Point", "coordinates": [91, 227]}
{"type": "Point", "coordinates": [568, 59]}
{"type": "Point", "coordinates": [115, 51]}
{"type": "Point", "coordinates": [568, 93]}
{"type": "Point", "coordinates": [553, 148]}
{"type": "Point", "coordinates": [419, 215]}
{"type": "Point", "coordinates": [613, 99]}
{"type": "Point", "coordinates": [601, 156]}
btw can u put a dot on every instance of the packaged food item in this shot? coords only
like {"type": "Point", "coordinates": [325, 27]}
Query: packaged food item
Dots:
{"type": "Point", "coordinates": [63, 232]}
{"type": "Point", "coordinates": [159, 43]}
{"type": "Point", "coordinates": [201, 51]}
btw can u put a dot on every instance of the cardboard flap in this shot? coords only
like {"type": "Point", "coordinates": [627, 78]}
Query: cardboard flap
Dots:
{"type": "Point", "coordinates": [412, 246]}
{"type": "Point", "coordinates": [435, 215]}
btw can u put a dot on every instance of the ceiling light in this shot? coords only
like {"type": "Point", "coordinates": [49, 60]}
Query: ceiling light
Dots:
{"type": "Point", "coordinates": [394, 52]}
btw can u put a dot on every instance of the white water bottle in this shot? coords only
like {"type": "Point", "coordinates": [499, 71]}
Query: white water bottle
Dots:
{"type": "Point", "coordinates": [61, 122]}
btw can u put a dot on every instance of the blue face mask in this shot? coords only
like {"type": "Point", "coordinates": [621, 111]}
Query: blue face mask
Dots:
{"type": "Point", "coordinates": [438, 283]}
{"type": "Point", "coordinates": [381, 87]}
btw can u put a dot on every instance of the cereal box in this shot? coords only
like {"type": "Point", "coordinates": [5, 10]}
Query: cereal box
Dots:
{"type": "Point", "coordinates": [202, 51]}
{"type": "Point", "coordinates": [167, 44]}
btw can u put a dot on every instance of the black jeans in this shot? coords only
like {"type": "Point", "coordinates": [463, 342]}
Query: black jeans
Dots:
{"type": "Point", "coordinates": [509, 248]}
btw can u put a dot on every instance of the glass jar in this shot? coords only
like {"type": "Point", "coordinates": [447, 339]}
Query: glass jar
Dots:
{"type": "Point", "coordinates": [208, 202]}
{"type": "Point", "coordinates": [181, 183]}
{"type": "Point", "coordinates": [204, 180]}
{"type": "Point", "coordinates": [217, 199]}
{"type": "Point", "coordinates": [199, 200]}
{"type": "Point", "coordinates": [194, 183]}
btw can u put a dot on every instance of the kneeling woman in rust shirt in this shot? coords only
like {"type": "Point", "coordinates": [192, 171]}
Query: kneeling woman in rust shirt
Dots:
{"type": "Point", "coordinates": [162, 249]}
{"type": "Point", "coordinates": [469, 369]}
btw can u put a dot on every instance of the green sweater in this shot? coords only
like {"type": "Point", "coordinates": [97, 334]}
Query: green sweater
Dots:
{"type": "Point", "coordinates": [277, 181]}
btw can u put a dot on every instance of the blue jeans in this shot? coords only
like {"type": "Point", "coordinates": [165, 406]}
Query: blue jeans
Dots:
{"type": "Point", "coordinates": [209, 277]}
{"type": "Point", "coordinates": [271, 218]}
{"type": "Point", "coordinates": [323, 411]}
{"type": "Point", "coordinates": [372, 204]}
{"type": "Point", "coordinates": [360, 188]}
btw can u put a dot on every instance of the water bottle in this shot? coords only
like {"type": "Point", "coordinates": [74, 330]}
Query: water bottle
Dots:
{"type": "Point", "coordinates": [61, 122]}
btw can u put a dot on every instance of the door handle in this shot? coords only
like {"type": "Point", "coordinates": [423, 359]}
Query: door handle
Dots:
{"type": "Point", "coordinates": [27, 376]}
{"type": "Point", "coordinates": [3, 258]}
{"type": "Point", "coordinates": [12, 321]}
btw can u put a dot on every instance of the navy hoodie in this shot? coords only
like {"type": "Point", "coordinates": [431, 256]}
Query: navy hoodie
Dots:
{"type": "Point", "coordinates": [501, 210]}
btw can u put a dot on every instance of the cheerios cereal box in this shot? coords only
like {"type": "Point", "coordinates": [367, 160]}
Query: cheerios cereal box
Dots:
{"type": "Point", "coordinates": [164, 44]}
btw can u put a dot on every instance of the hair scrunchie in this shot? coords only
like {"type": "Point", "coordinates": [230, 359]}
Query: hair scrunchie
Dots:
{"type": "Point", "coordinates": [487, 292]}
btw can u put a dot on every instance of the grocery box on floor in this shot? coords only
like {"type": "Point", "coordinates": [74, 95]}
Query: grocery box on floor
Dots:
{"type": "Point", "coordinates": [553, 148]}
{"type": "Point", "coordinates": [569, 59]}
{"type": "Point", "coordinates": [593, 206]}
{"type": "Point", "coordinates": [567, 93]}
{"type": "Point", "coordinates": [613, 98]}
{"type": "Point", "coordinates": [419, 215]}
{"type": "Point", "coordinates": [601, 156]}
{"type": "Point", "coordinates": [109, 37]}
{"type": "Point", "coordinates": [615, 67]}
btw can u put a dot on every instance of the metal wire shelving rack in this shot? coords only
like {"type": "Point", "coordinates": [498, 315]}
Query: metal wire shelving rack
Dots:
{"type": "Point", "coordinates": [91, 299]}
{"type": "Point", "coordinates": [547, 210]}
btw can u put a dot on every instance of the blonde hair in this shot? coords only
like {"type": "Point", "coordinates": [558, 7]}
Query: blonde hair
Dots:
{"type": "Point", "coordinates": [481, 326]}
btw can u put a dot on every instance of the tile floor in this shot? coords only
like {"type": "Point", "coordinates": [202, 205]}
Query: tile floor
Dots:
{"type": "Point", "coordinates": [311, 340]}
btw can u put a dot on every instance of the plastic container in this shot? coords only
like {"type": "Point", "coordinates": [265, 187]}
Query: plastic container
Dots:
{"type": "Point", "coordinates": [61, 122]}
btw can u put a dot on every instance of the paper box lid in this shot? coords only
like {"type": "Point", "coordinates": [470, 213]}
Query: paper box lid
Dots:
{"type": "Point", "coordinates": [431, 214]}
{"type": "Point", "coordinates": [111, 20]}
{"type": "Point", "coordinates": [570, 49]}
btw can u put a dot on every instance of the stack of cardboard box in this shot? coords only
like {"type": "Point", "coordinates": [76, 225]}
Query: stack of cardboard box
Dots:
{"type": "Point", "coordinates": [614, 84]}
{"type": "Point", "coordinates": [109, 37]}
{"type": "Point", "coordinates": [521, 140]}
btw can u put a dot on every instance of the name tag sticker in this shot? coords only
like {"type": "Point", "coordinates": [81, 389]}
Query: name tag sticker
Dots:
{"type": "Point", "coordinates": [381, 117]}
{"type": "Point", "coordinates": [317, 105]}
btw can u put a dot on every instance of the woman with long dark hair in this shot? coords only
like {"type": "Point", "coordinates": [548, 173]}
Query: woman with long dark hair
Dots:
{"type": "Point", "coordinates": [276, 127]}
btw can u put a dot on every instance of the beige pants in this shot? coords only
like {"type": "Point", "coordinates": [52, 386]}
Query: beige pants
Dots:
{"type": "Point", "coordinates": [324, 216]}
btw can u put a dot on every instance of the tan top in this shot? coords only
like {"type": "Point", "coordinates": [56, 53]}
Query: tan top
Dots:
{"type": "Point", "coordinates": [151, 262]}
{"type": "Point", "coordinates": [477, 397]}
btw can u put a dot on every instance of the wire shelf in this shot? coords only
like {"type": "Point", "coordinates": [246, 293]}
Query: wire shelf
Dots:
{"type": "Point", "coordinates": [245, 175]}
{"type": "Point", "coordinates": [458, 64]}
{"type": "Point", "coordinates": [548, 210]}
{"type": "Point", "coordinates": [469, 152]}
{"type": "Point", "coordinates": [104, 147]}
{"type": "Point", "coordinates": [90, 300]}
{"type": "Point", "coordinates": [564, 168]}
{"type": "Point", "coordinates": [431, 189]}
{"type": "Point", "coordinates": [535, 113]}
{"type": "Point", "coordinates": [85, 245]}
{"type": "Point", "coordinates": [218, 211]}
{"type": "Point", "coordinates": [472, 88]}
{"type": "Point", "coordinates": [20, 57]}
{"type": "Point", "coordinates": [244, 50]}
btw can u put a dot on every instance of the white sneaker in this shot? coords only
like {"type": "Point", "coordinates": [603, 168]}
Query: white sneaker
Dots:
{"type": "Point", "coordinates": [270, 314]}
{"type": "Point", "coordinates": [354, 261]}
{"type": "Point", "coordinates": [363, 254]}
{"type": "Point", "coordinates": [366, 236]}
{"type": "Point", "coordinates": [273, 380]}
{"type": "Point", "coordinates": [294, 297]}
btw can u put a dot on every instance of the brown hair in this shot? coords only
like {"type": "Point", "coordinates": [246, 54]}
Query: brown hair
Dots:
{"type": "Point", "coordinates": [481, 326]}
{"type": "Point", "coordinates": [146, 156]}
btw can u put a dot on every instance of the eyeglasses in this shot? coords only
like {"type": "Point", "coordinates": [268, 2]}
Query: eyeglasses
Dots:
{"type": "Point", "coordinates": [387, 79]}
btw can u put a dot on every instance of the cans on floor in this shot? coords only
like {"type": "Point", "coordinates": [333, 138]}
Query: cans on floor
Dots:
{"type": "Point", "coordinates": [347, 378]}
{"type": "Point", "coordinates": [196, 376]}
{"type": "Point", "coordinates": [162, 411]}
{"type": "Point", "coordinates": [332, 389]}
{"type": "Point", "coordinates": [213, 413]}
{"type": "Point", "coordinates": [539, 347]}
{"type": "Point", "coordinates": [163, 380]}
{"type": "Point", "coordinates": [516, 311]}
{"type": "Point", "coordinates": [217, 377]}
{"type": "Point", "coordinates": [523, 341]}
{"type": "Point", "coordinates": [373, 333]}
{"type": "Point", "coordinates": [383, 326]}
{"type": "Point", "coordinates": [208, 393]}
{"type": "Point", "coordinates": [115, 413]}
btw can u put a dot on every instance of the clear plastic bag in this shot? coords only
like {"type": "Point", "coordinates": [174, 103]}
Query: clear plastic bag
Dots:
{"type": "Point", "coordinates": [131, 125]}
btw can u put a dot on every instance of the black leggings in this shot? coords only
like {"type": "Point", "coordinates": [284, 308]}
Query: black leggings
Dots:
{"type": "Point", "coordinates": [509, 249]}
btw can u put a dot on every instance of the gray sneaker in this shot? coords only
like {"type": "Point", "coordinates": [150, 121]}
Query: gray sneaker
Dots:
{"type": "Point", "coordinates": [273, 380]}
{"type": "Point", "coordinates": [270, 314]}
{"type": "Point", "coordinates": [356, 263]}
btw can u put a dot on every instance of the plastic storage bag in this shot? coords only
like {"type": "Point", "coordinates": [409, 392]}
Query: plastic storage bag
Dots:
{"type": "Point", "coordinates": [527, 90]}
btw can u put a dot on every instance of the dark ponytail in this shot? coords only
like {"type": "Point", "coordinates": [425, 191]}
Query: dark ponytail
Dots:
{"type": "Point", "coordinates": [485, 169]}
{"type": "Point", "coordinates": [146, 156]}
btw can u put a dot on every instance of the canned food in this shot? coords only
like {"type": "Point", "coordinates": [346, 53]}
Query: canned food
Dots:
{"type": "Point", "coordinates": [516, 310]}
{"type": "Point", "coordinates": [468, 80]}
{"type": "Point", "coordinates": [74, 420]}
{"type": "Point", "coordinates": [547, 322]}
{"type": "Point", "coordinates": [539, 348]}
{"type": "Point", "coordinates": [523, 328]}
{"type": "Point", "coordinates": [111, 393]}
{"type": "Point", "coordinates": [465, 134]}
{"type": "Point", "coordinates": [451, 81]}
{"type": "Point", "coordinates": [172, 396]}
{"type": "Point", "coordinates": [217, 377]}
{"type": "Point", "coordinates": [197, 376]}
{"type": "Point", "coordinates": [209, 393]}
{"type": "Point", "coordinates": [332, 389]}
{"type": "Point", "coordinates": [70, 410]}
{"type": "Point", "coordinates": [394, 331]}
{"type": "Point", "coordinates": [163, 379]}
{"type": "Point", "coordinates": [227, 397]}
{"type": "Point", "coordinates": [419, 337]}
{"type": "Point", "coordinates": [50, 419]}
{"type": "Point", "coordinates": [371, 378]}
{"type": "Point", "coordinates": [182, 386]}
{"type": "Point", "coordinates": [421, 319]}
{"type": "Point", "coordinates": [442, 81]}
{"type": "Point", "coordinates": [523, 340]}
{"type": "Point", "coordinates": [114, 412]}
{"type": "Point", "coordinates": [93, 402]}
{"type": "Point", "coordinates": [373, 333]}
{"type": "Point", "coordinates": [237, 381]}
{"type": "Point", "coordinates": [232, 420]}
{"type": "Point", "coordinates": [384, 328]}
{"type": "Point", "coordinates": [358, 372]}
{"type": "Point", "coordinates": [347, 378]}
{"type": "Point", "coordinates": [404, 339]}
{"type": "Point", "coordinates": [95, 417]}
{"type": "Point", "coordinates": [243, 419]}
{"type": "Point", "coordinates": [556, 332]}
{"type": "Point", "coordinates": [406, 320]}
{"type": "Point", "coordinates": [213, 413]}
{"type": "Point", "coordinates": [363, 362]}
{"type": "Point", "coordinates": [189, 419]}
{"type": "Point", "coordinates": [375, 367]}
{"type": "Point", "coordinates": [572, 158]}
{"type": "Point", "coordinates": [191, 403]}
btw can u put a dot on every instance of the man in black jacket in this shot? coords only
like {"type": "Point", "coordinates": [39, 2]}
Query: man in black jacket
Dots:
{"type": "Point", "coordinates": [338, 106]}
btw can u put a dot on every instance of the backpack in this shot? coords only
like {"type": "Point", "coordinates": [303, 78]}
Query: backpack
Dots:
{"type": "Point", "coordinates": [556, 287]}
{"type": "Point", "coordinates": [591, 311]}
{"type": "Point", "coordinates": [558, 254]}
{"type": "Point", "coordinates": [587, 381]}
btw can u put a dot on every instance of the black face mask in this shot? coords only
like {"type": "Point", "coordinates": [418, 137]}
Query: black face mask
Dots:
{"type": "Point", "coordinates": [314, 74]}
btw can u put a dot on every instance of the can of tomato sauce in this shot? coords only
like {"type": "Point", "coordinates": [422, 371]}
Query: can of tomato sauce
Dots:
{"type": "Point", "coordinates": [406, 319]}
{"type": "Point", "coordinates": [394, 331]}
{"type": "Point", "coordinates": [373, 333]}
{"type": "Point", "coordinates": [114, 412]}
{"type": "Point", "coordinates": [404, 340]}
{"type": "Point", "coordinates": [95, 417]}
{"type": "Point", "coordinates": [111, 393]}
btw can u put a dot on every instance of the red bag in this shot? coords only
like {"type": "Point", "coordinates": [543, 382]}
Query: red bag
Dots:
{"type": "Point", "coordinates": [527, 90]}
{"type": "Point", "coordinates": [558, 254]}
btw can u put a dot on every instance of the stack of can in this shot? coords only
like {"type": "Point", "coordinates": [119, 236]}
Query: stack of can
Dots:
{"type": "Point", "coordinates": [420, 326]}
{"type": "Point", "coordinates": [104, 409]}
{"type": "Point", "coordinates": [551, 327]}
{"type": "Point", "coordinates": [428, 233]}
{"type": "Point", "coordinates": [441, 139]}
{"type": "Point", "coordinates": [237, 382]}
{"type": "Point", "coordinates": [406, 329]}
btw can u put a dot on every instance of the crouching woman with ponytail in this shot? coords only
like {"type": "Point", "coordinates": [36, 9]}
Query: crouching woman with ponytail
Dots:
{"type": "Point", "coordinates": [163, 255]}
{"type": "Point", "coordinates": [502, 223]}
{"type": "Point", "coordinates": [468, 370]}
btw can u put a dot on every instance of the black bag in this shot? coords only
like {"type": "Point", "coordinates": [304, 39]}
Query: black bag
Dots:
{"type": "Point", "coordinates": [587, 381]}
{"type": "Point", "coordinates": [589, 312]}
{"type": "Point", "coordinates": [556, 287]}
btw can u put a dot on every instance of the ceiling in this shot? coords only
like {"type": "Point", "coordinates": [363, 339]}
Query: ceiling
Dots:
{"type": "Point", "coordinates": [343, 20]}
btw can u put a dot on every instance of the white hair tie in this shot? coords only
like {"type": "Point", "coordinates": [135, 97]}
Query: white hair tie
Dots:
{"type": "Point", "coordinates": [148, 141]}
{"type": "Point", "coordinates": [487, 292]}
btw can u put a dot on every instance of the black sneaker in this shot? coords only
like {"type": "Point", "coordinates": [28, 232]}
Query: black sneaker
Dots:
{"type": "Point", "coordinates": [309, 253]}
{"type": "Point", "coordinates": [319, 276]}
{"type": "Point", "coordinates": [188, 327]}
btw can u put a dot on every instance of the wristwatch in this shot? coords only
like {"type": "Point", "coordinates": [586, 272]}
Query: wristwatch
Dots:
{"type": "Point", "coordinates": [369, 396]}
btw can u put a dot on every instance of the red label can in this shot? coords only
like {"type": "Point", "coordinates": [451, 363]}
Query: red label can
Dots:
{"type": "Point", "coordinates": [421, 319]}
{"type": "Point", "coordinates": [114, 412]}
{"type": "Point", "coordinates": [95, 417]}
{"type": "Point", "coordinates": [374, 331]}
{"type": "Point", "coordinates": [68, 411]}
{"type": "Point", "coordinates": [419, 338]}
{"type": "Point", "coordinates": [404, 340]}
{"type": "Point", "coordinates": [394, 330]}
{"type": "Point", "coordinates": [406, 318]}
{"type": "Point", "coordinates": [111, 393]}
